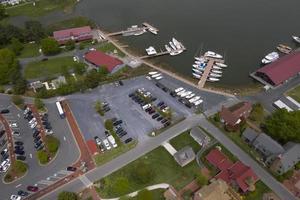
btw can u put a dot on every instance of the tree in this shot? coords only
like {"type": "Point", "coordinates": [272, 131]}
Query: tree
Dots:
{"type": "Point", "coordinates": [283, 125]}
{"type": "Point", "coordinates": [79, 68]}
{"type": "Point", "coordinates": [20, 86]}
{"type": "Point", "coordinates": [18, 100]}
{"type": "Point", "coordinates": [67, 196]}
{"type": "Point", "coordinates": [34, 31]}
{"type": "Point", "coordinates": [8, 66]}
{"type": "Point", "coordinates": [70, 45]}
{"type": "Point", "coordinates": [142, 173]}
{"type": "Point", "coordinates": [98, 108]}
{"type": "Point", "coordinates": [91, 79]}
{"type": "Point", "coordinates": [108, 124]}
{"type": "Point", "coordinates": [7, 32]}
{"type": "Point", "coordinates": [50, 46]}
{"type": "Point", "coordinates": [257, 113]}
{"type": "Point", "coordinates": [39, 104]}
{"type": "Point", "coordinates": [2, 12]}
{"type": "Point", "coordinates": [16, 46]}
{"type": "Point", "coordinates": [201, 180]}
{"type": "Point", "coordinates": [145, 195]}
{"type": "Point", "coordinates": [102, 71]}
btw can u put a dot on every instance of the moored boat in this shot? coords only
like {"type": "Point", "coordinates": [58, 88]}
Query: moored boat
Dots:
{"type": "Point", "coordinates": [213, 55]}
{"type": "Point", "coordinates": [215, 75]}
{"type": "Point", "coordinates": [213, 79]}
{"type": "Point", "coordinates": [216, 71]}
{"type": "Point", "coordinates": [168, 48]}
{"type": "Point", "coordinates": [172, 45]}
{"type": "Point", "coordinates": [151, 30]}
{"type": "Point", "coordinates": [284, 48]}
{"type": "Point", "coordinates": [296, 39]}
{"type": "Point", "coordinates": [221, 64]}
{"type": "Point", "coordinates": [196, 75]}
{"type": "Point", "coordinates": [271, 57]}
{"type": "Point", "coordinates": [151, 51]}
{"type": "Point", "coordinates": [197, 71]}
{"type": "Point", "coordinates": [216, 67]}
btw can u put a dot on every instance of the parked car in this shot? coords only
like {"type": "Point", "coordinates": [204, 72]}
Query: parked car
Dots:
{"type": "Point", "coordinates": [72, 169]}
{"type": "Point", "coordinates": [106, 133]}
{"type": "Point", "coordinates": [97, 139]}
{"type": "Point", "coordinates": [117, 122]}
{"type": "Point", "coordinates": [167, 124]}
{"type": "Point", "coordinates": [131, 95]}
{"type": "Point", "coordinates": [36, 145]}
{"type": "Point", "coordinates": [151, 111]}
{"type": "Point", "coordinates": [37, 139]}
{"type": "Point", "coordinates": [155, 116]}
{"type": "Point", "coordinates": [13, 125]}
{"type": "Point", "coordinates": [121, 82]}
{"type": "Point", "coordinates": [163, 121]}
{"type": "Point", "coordinates": [32, 188]}
{"type": "Point", "coordinates": [40, 147]}
{"type": "Point", "coordinates": [19, 148]}
{"type": "Point", "coordinates": [4, 111]}
{"type": "Point", "coordinates": [2, 132]}
{"type": "Point", "coordinates": [128, 140]}
{"type": "Point", "coordinates": [18, 143]}
{"type": "Point", "coordinates": [33, 125]}
{"type": "Point", "coordinates": [160, 103]}
{"type": "Point", "coordinates": [15, 197]}
{"type": "Point", "coordinates": [35, 134]}
{"type": "Point", "coordinates": [123, 133]}
{"type": "Point", "coordinates": [48, 131]}
{"type": "Point", "coordinates": [23, 193]}
{"type": "Point", "coordinates": [19, 152]}
{"type": "Point", "coordinates": [21, 158]}
{"type": "Point", "coordinates": [16, 133]}
{"type": "Point", "coordinates": [159, 118]}
{"type": "Point", "coordinates": [107, 145]}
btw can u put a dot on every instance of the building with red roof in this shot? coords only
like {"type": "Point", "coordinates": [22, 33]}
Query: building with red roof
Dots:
{"type": "Point", "coordinates": [100, 59]}
{"type": "Point", "coordinates": [92, 146]}
{"type": "Point", "coordinates": [74, 34]}
{"type": "Point", "coordinates": [237, 175]}
{"type": "Point", "coordinates": [234, 115]}
{"type": "Point", "coordinates": [281, 70]}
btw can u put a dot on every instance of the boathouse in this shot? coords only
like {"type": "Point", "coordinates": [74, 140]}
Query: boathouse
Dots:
{"type": "Point", "coordinates": [74, 34]}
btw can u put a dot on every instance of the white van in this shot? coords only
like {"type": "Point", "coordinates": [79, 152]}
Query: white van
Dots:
{"type": "Point", "coordinates": [146, 106]}
{"type": "Point", "coordinates": [112, 140]}
{"type": "Point", "coordinates": [178, 89]}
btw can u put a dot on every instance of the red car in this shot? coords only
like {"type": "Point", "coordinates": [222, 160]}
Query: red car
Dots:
{"type": "Point", "coordinates": [32, 188]}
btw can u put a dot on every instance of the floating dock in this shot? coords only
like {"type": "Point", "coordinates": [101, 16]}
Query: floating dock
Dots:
{"type": "Point", "coordinates": [210, 63]}
{"type": "Point", "coordinates": [161, 53]}
{"type": "Point", "coordinates": [135, 29]}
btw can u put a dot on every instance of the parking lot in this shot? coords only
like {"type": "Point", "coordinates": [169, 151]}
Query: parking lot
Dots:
{"type": "Point", "coordinates": [137, 123]}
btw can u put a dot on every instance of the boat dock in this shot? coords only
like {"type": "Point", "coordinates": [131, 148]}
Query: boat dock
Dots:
{"type": "Point", "coordinates": [133, 30]}
{"type": "Point", "coordinates": [211, 62]}
{"type": "Point", "coordinates": [161, 53]}
{"type": "Point", "coordinates": [148, 26]}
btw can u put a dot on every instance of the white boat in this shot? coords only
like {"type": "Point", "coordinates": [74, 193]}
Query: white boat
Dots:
{"type": "Point", "coordinates": [213, 55]}
{"type": "Point", "coordinates": [158, 78]}
{"type": "Point", "coordinates": [152, 73]}
{"type": "Point", "coordinates": [213, 79]}
{"type": "Point", "coordinates": [215, 75]}
{"type": "Point", "coordinates": [151, 51]}
{"type": "Point", "coordinates": [271, 57]}
{"type": "Point", "coordinates": [177, 44]}
{"type": "Point", "coordinates": [221, 64]}
{"type": "Point", "coordinates": [196, 75]}
{"type": "Point", "coordinates": [216, 71]}
{"type": "Point", "coordinates": [197, 71]}
{"type": "Point", "coordinates": [190, 96]}
{"type": "Point", "coordinates": [296, 38]}
{"type": "Point", "coordinates": [178, 89]}
{"type": "Point", "coordinates": [173, 46]}
{"type": "Point", "coordinates": [216, 67]}
{"type": "Point", "coordinates": [168, 48]}
{"type": "Point", "coordinates": [156, 75]}
{"type": "Point", "coordinates": [194, 99]}
{"type": "Point", "coordinates": [175, 52]}
{"type": "Point", "coordinates": [198, 67]}
{"type": "Point", "coordinates": [140, 32]}
{"type": "Point", "coordinates": [151, 30]}
{"type": "Point", "coordinates": [197, 103]}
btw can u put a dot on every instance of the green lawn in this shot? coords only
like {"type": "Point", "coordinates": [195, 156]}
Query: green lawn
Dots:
{"type": "Point", "coordinates": [261, 188]}
{"type": "Point", "coordinates": [295, 93]}
{"type": "Point", "coordinates": [108, 47]}
{"type": "Point", "coordinates": [107, 156]}
{"type": "Point", "coordinates": [70, 23]}
{"type": "Point", "coordinates": [162, 165]}
{"type": "Point", "coordinates": [48, 68]}
{"type": "Point", "coordinates": [158, 194]}
{"type": "Point", "coordinates": [41, 8]}
{"type": "Point", "coordinates": [30, 50]}
{"type": "Point", "coordinates": [184, 140]}
{"type": "Point", "coordinates": [18, 169]}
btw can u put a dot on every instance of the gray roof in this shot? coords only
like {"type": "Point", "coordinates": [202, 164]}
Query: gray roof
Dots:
{"type": "Point", "coordinates": [184, 156]}
{"type": "Point", "coordinates": [250, 134]}
{"type": "Point", "coordinates": [199, 136]}
{"type": "Point", "coordinates": [291, 156]}
{"type": "Point", "coordinates": [267, 146]}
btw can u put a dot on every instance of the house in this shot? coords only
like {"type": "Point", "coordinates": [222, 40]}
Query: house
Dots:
{"type": "Point", "coordinates": [199, 136]}
{"type": "Point", "coordinates": [249, 135]}
{"type": "Point", "coordinates": [184, 156]}
{"type": "Point", "coordinates": [237, 174]}
{"type": "Point", "coordinates": [234, 115]}
{"type": "Point", "coordinates": [288, 159]}
{"type": "Point", "coordinates": [217, 190]}
{"type": "Point", "coordinates": [74, 34]}
{"type": "Point", "coordinates": [281, 70]}
{"type": "Point", "coordinates": [266, 146]}
{"type": "Point", "coordinates": [100, 59]}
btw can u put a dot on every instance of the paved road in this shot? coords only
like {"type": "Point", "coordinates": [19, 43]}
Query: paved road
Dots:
{"type": "Point", "coordinates": [271, 182]}
{"type": "Point", "coordinates": [119, 162]}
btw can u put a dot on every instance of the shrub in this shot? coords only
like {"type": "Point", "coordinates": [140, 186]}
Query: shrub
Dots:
{"type": "Point", "coordinates": [18, 100]}
{"type": "Point", "coordinates": [39, 104]}
{"type": "Point", "coordinates": [201, 180]}
{"type": "Point", "coordinates": [108, 124]}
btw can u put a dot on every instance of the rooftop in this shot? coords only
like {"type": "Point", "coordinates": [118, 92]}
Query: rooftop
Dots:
{"type": "Point", "coordinates": [184, 156]}
{"type": "Point", "coordinates": [72, 32]}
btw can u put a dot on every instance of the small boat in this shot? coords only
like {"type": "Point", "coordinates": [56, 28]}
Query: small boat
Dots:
{"type": "Point", "coordinates": [284, 48]}
{"type": "Point", "coordinates": [271, 57]}
{"type": "Point", "coordinates": [151, 51]}
{"type": "Point", "coordinates": [221, 64]}
{"type": "Point", "coordinates": [152, 73]}
{"type": "Point", "coordinates": [176, 52]}
{"type": "Point", "coordinates": [158, 78]}
{"type": "Point", "coordinates": [213, 79]}
{"type": "Point", "coordinates": [198, 67]}
{"type": "Point", "coordinates": [201, 59]}
{"type": "Point", "coordinates": [140, 32]}
{"type": "Point", "coordinates": [151, 30]}
{"type": "Point", "coordinates": [215, 75]}
{"type": "Point", "coordinates": [196, 75]}
{"type": "Point", "coordinates": [156, 75]}
{"type": "Point", "coordinates": [216, 71]}
{"type": "Point", "coordinates": [216, 67]}
{"type": "Point", "coordinates": [213, 55]}
{"type": "Point", "coordinates": [197, 71]}
{"type": "Point", "coordinates": [173, 46]}
{"type": "Point", "coordinates": [177, 44]}
{"type": "Point", "coordinates": [168, 48]}
{"type": "Point", "coordinates": [296, 38]}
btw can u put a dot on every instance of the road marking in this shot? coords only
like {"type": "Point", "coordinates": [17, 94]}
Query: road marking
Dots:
{"type": "Point", "coordinates": [30, 155]}
{"type": "Point", "coordinates": [18, 185]}
{"type": "Point", "coordinates": [19, 115]}
{"type": "Point", "coordinates": [65, 138]}
{"type": "Point", "coordinates": [85, 181]}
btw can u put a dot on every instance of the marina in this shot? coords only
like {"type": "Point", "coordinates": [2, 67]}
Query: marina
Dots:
{"type": "Point", "coordinates": [135, 30]}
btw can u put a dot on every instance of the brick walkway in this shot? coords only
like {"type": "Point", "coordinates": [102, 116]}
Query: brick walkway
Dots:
{"type": "Point", "coordinates": [85, 156]}
{"type": "Point", "coordinates": [94, 193]}
{"type": "Point", "coordinates": [192, 186]}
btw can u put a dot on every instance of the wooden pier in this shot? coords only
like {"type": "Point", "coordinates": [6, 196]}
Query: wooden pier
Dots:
{"type": "Point", "coordinates": [161, 53]}
{"type": "Point", "coordinates": [146, 26]}
{"type": "Point", "coordinates": [204, 76]}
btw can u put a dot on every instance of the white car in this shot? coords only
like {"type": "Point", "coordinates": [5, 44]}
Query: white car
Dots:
{"type": "Point", "coordinates": [32, 120]}
{"type": "Point", "coordinates": [196, 103]}
{"type": "Point", "coordinates": [194, 99]}
{"type": "Point", "coordinates": [146, 106]}
{"type": "Point", "coordinates": [16, 133]}
{"type": "Point", "coordinates": [92, 49]}
{"type": "Point", "coordinates": [5, 167]}
{"type": "Point", "coordinates": [15, 197]}
{"type": "Point", "coordinates": [152, 73]}
{"type": "Point", "coordinates": [149, 78]}
{"type": "Point", "coordinates": [106, 143]}
{"type": "Point", "coordinates": [112, 140]}
{"type": "Point", "coordinates": [33, 125]}
{"type": "Point", "coordinates": [158, 78]}
{"type": "Point", "coordinates": [48, 132]}
{"type": "Point", "coordinates": [13, 125]}
{"type": "Point", "coordinates": [181, 92]}
{"type": "Point", "coordinates": [190, 96]}
{"type": "Point", "coordinates": [185, 94]}
{"type": "Point", "coordinates": [178, 89]}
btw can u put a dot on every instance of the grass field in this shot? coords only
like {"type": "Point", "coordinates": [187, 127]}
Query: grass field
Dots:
{"type": "Point", "coordinates": [295, 93]}
{"type": "Point", "coordinates": [158, 194]}
{"type": "Point", "coordinates": [164, 168]}
{"type": "Point", "coordinates": [30, 50]}
{"type": "Point", "coordinates": [48, 68]}
{"type": "Point", "coordinates": [41, 8]}
{"type": "Point", "coordinates": [184, 140]}
{"type": "Point", "coordinates": [70, 23]}
{"type": "Point", "coordinates": [261, 188]}
{"type": "Point", "coordinates": [108, 47]}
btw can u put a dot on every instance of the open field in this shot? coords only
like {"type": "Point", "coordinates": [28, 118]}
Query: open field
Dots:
{"type": "Point", "coordinates": [295, 93]}
{"type": "Point", "coordinates": [108, 47]}
{"type": "Point", "coordinates": [70, 23]}
{"type": "Point", "coordinates": [184, 140]}
{"type": "Point", "coordinates": [30, 50]}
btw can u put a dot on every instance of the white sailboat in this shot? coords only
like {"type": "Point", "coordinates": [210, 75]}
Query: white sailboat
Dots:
{"type": "Point", "coordinates": [216, 71]}
{"type": "Point", "coordinates": [173, 46]}
{"type": "Point", "coordinates": [151, 30]}
{"type": "Point", "coordinates": [197, 71]}
{"type": "Point", "coordinates": [168, 48]}
{"type": "Point", "coordinates": [215, 75]}
{"type": "Point", "coordinates": [216, 67]}
{"type": "Point", "coordinates": [221, 64]}
{"type": "Point", "coordinates": [296, 39]}
{"type": "Point", "coordinates": [196, 75]}
{"type": "Point", "coordinates": [213, 55]}
{"type": "Point", "coordinates": [213, 79]}
{"type": "Point", "coordinates": [177, 44]}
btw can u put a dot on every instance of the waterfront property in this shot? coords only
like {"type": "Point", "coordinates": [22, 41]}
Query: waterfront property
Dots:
{"type": "Point", "coordinates": [73, 34]}
{"type": "Point", "coordinates": [100, 59]}
{"type": "Point", "coordinates": [280, 71]}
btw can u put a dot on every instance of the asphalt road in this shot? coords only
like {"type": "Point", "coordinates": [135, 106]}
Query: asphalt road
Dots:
{"type": "Point", "coordinates": [68, 152]}
{"type": "Point", "coordinates": [264, 176]}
